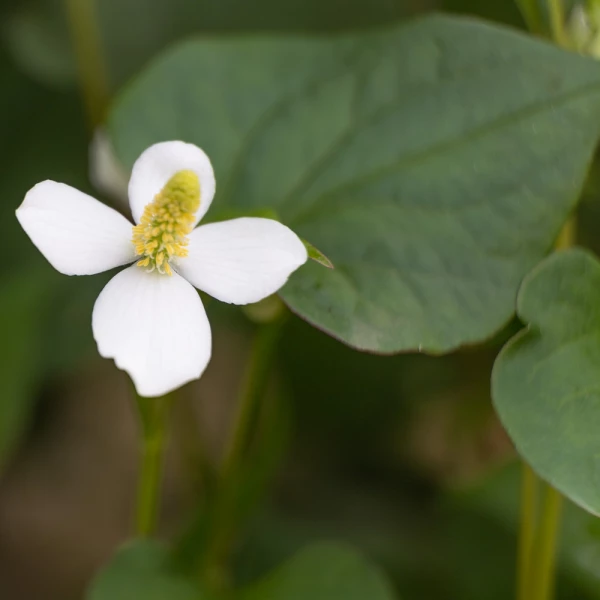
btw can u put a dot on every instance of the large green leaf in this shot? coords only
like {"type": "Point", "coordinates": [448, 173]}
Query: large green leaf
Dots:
{"type": "Point", "coordinates": [433, 163]}
{"type": "Point", "coordinates": [142, 570]}
{"type": "Point", "coordinates": [324, 571]}
{"type": "Point", "coordinates": [546, 381]}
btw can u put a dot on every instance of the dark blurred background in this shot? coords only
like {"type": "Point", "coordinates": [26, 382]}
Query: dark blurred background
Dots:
{"type": "Point", "coordinates": [401, 456]}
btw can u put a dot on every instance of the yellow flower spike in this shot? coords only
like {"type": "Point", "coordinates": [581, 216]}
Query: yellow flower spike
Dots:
{"type": "Point", "coordinates": [166, 223]}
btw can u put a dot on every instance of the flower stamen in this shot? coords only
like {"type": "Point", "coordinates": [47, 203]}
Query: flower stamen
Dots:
{"type": "Point", "coordinates": [166, 222]}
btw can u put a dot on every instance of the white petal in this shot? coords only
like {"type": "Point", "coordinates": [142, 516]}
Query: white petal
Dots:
{"type": "Point", "coordinates": [76, 233]}
{"type": "Point", "coordinates": [158, 164]}
{"type": "Point", "coordinates": [155, 328]}
{"type": "Point", "coordinates": [107, 174]}
{"type": "Point", "coordinates": [242, 260]}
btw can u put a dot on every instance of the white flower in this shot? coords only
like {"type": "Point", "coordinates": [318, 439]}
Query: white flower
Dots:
{"type": "Point", "coordinates": [148, 317]}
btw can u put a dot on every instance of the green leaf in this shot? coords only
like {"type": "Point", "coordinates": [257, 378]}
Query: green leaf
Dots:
{"type": "Point", "coordinates": [316, 255]}
{"type": "Point", "coordinates": [325, 571]}
{"type": "Point", "coordinates": [434, 163]}
{"type": "Point", "coordinates": [546, 381]}
{"type": "Point", "coordinates": [141, 569]}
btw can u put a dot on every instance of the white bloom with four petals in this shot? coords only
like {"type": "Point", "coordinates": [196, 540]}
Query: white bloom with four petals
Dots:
{"type": "Point", "coordinates": [149, 318]}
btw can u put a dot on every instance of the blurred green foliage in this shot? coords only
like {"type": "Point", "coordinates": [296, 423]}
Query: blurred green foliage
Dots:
{"type": "Point", "coordinates": [142, 567]}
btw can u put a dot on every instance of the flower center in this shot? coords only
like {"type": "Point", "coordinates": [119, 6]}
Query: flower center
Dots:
{"type": "Point", "coordinates": [166, 222]}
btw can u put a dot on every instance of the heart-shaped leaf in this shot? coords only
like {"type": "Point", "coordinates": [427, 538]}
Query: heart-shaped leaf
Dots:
{"type": "Point", "coordinates": [324, 571]}
{"type": "Point", "coordinates": [434, 163]}
{"type": "Point", "coordinates": [546, 381]}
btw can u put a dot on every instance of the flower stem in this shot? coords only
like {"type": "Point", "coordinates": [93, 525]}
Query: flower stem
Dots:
{"type": "Point", "coordinates": [93, 75]}
{"type": "Point", "coordinates": [153, 413]}
{"type": "Point", "coordinates": [529, 502]}
{"type": "Point", "coordinates": [544, 573]}
{"type": "Point", "coordinates": [252, 390]}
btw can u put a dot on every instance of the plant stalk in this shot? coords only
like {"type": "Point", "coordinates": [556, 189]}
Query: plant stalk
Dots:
{"type": "Point", "coordinates": [530, 484]}
{"type": "Point", "coordinates": [536, 571]}
{"type": "Point", "coordinates": [557, 22]}
{"type": "Point", "coordinates": [536, 566]}
{"type": "Point", "coordinates": [153, 413]}
{"type": "Point", "coordinates": [87, 45]}
{"type": "Point", "coordinates": [568, 235]}
{"type": "Point", "coordinates": [252, 390]}
{"type": "Point", "coordinates": [531, 15]}
{"type": "Point", "coordinates": [544, 571]}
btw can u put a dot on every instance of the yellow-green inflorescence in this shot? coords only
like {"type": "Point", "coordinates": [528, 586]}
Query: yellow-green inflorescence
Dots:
{"type": "Point", "coordinates": [163, 230]}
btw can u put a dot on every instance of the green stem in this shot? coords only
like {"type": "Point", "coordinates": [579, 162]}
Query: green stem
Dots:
{"type": "Point", "coordinates": [531, 14]}
{"type": "Point", "coordinates": [544, 573]}
{"type": "Point", "coordinates": [252, 390]}
{"type": "Point", "coordinates": [200, 474]}
{"type": "Point", "coordinates": [536, 569]}
{"type": "Point", "coordinates": [537, 549]}
{"type": "Point", "coordinates": [529, 502]}
{"type": "Point", "coordinates": [253, 387]}
{"type": "Point", "coordinates": [153, 414]}
{"type": "Point", "coordinates": [568, 235]}
{"type": "Point", "coordinates": [93, 75]}
{"type": "Point", "coordinates": [557, 22]}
